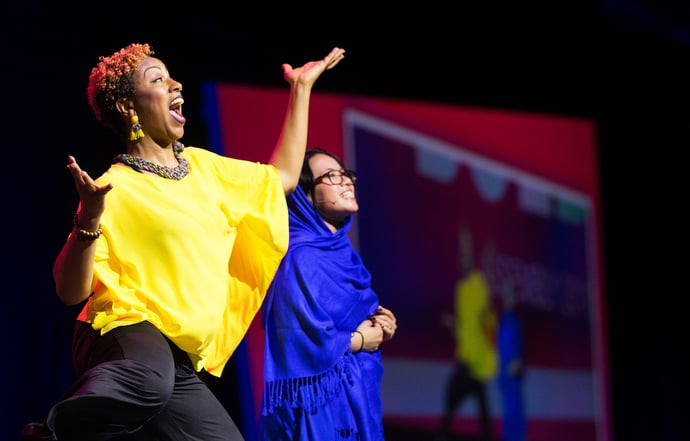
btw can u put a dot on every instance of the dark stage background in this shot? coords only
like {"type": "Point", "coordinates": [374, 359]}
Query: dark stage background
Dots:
{"type": "Point", "coordinates": [621, 63]}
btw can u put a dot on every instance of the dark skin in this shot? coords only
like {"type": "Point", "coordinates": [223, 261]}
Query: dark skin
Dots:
{"type": "Point", "coordinates": [158, 104]}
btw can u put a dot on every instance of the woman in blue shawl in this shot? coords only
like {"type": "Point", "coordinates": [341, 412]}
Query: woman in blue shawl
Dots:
{"type": "Point", "coordinates": [323, 322]}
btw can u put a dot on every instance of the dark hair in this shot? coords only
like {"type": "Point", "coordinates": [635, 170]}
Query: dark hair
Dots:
{"type": "Point", "coordinates": [306, 177]}
{"type": "Point", "coordinates": [113, 78]}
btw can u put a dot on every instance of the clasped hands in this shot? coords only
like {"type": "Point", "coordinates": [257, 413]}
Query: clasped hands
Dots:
{"type": "Point", "coordinates": [378, 328]}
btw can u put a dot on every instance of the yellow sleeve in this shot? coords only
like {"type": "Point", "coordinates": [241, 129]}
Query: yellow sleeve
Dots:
{"type": "Point", "coordinates": [262, 239]}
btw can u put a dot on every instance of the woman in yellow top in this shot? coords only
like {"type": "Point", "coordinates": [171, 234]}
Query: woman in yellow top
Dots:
{"type": "Point", "coordinates": [474, 326]}
{"type": "Point", "coordinates": [172, 251]}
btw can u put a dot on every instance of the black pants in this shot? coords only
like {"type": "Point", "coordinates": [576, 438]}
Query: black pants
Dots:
{"type": "Point", "coordinates": [133, 380]}
{"type": "Point", "coordinates": [461, 385]}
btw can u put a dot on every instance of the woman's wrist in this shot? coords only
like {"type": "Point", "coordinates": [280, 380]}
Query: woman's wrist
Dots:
{"type": "Point", "coordinates": [361, 346]}
{"type": "Point", "coordinates": [85, 235]}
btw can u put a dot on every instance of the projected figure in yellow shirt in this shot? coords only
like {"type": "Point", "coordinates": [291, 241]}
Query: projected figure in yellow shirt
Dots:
{"type": "Point", "coordinates": [474, 326]}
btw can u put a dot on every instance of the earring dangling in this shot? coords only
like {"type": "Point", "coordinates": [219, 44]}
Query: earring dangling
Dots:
{"type": "Point", "coordinates": [136, 131]}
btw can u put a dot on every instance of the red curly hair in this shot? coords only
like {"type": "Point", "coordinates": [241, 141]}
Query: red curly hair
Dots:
{"type": "Point", "coordinates": [112, 79]}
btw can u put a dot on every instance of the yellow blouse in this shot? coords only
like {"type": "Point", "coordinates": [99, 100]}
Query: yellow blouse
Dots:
{"type": "Point", "coordinates": [194, 257]}
{"type": "Point", "coordinates": [475, 326]}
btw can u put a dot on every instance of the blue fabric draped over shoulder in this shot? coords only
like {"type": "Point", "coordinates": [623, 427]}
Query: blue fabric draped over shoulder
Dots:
{"type": "Point", "coordinates": [315, 387]}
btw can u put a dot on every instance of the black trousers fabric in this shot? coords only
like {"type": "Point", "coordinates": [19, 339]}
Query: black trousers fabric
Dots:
{"type": "Point", "coordinates": [134, 380]}
{"type": "Point", "coordinates": [461, 385]}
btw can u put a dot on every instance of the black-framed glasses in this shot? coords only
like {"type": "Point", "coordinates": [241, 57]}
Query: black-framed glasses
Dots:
{"type": "Point", "coordinates": [336, 177]}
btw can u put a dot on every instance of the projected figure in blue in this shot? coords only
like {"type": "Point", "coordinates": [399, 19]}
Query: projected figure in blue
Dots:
{"type": "Point", "coordinates": [511, 368]}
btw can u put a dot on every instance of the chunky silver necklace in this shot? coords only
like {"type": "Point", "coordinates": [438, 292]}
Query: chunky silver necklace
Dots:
{"type": "Point", "coordinates": [140, 164]}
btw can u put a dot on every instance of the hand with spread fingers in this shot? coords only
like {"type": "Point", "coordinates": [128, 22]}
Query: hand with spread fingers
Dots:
{"type": "Point", "coordinates": [309, 72]}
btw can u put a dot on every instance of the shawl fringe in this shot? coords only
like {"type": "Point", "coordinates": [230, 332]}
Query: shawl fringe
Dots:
{"type": "Point", "coordinates": [309, 393]}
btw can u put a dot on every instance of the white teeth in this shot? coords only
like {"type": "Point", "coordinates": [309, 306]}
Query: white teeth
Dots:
{"type": "Point", "coordinates": [177, 101]}
{"type": "Point", "coordinates": [347, 194]}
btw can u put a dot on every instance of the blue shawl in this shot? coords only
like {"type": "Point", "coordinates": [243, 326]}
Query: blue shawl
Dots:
{"type": "Point", "coordinates": [315, 387]}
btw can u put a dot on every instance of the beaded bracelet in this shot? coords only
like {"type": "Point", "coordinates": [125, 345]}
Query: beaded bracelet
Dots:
{"type": "Point", "coordinates": [85, 235]}
{"type": "Point", "coordinates": [361, 335]}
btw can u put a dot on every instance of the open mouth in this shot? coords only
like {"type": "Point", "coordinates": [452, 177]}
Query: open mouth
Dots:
{"type": "Point", "coordinates": [176, 110]}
